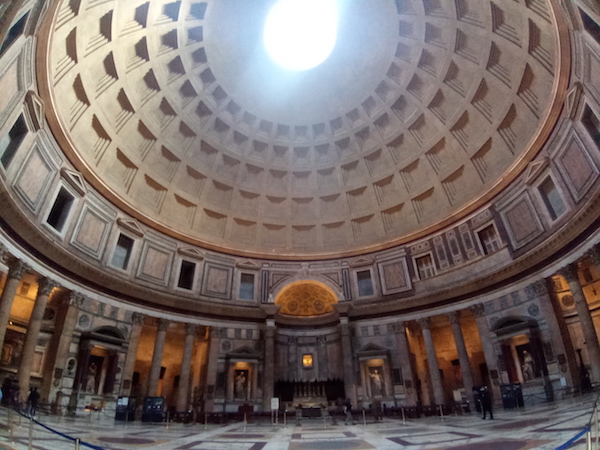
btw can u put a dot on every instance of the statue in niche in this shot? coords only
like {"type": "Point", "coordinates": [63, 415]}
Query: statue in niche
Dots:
{"type": "Point", "coordinates": [241, 384]}
{"type": "Point", "coordinates": [528, 366]}
{"type": "Point", "coordinates": [376, 380]}
{"type": "Point", "coordinates": [91, 379]}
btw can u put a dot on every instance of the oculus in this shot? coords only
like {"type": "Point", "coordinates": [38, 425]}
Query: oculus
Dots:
{"type": "Point", "coordinates": [301, 34]}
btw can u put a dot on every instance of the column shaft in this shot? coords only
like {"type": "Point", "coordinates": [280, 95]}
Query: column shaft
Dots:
{"type": "Point", "coordinates": [45, 287]}
{"type": "Point", "coordinates": [65, 326]}
{"type": "Point", "coordinates": [211, 369]}
{"type": "Point", "coordinates": [269, 365]}
{"type": "Point", "coordinates": [16, 270]}
{"type": "Point", "coordinates": [347, 355]}
{"type": "Point", "coordinates": [186, 364]}
{"type": "Point", "coordinates": [406, 364]}
{"type": "Point", "coordinates": [434, 368]}
{"type": "Point", "coordinates": [134, 341]}
{"type": "Point", "coordinates": [489, 353]}
{"type": "Point", "coordinates": [586, 321]}
{"type": "Point", "coordinates": [463, 356]}
{"type": "Point", "coordinates": [159, 348]}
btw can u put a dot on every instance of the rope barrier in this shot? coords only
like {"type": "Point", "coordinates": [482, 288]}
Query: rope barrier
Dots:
{"type": "Point", "coordinates": [571, 441]}
{"type": "Point", "coordinates": [587, 429]}
{"type": "Point", "coordinates": [63, 435]}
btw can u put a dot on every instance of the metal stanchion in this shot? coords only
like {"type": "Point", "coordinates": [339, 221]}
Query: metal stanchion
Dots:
{"type": "Point", "coordinates": [441, 412]}
{"type": "Point", "coordinates": [168, 417]}
{"type": "Point", "coordinates": [403, 416]}
{"type": "Point", "coordinates": [205, 421]}
{"type": "Point", "coordinates": [596, 425]}
{"type": "Point", "coordinates": [77, 444]}
{"type": "Point", "coordinates": [285, 418]}
{"type": "Point", "coordinates": [30, 433]}
{"type": "Point", "coordinates": [364, 418]}
{"type": "Point", "coordinates": [245, 423]}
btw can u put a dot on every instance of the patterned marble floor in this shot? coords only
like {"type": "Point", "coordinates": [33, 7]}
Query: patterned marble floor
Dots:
{"type": "Point", "coordinates": [545, 426]}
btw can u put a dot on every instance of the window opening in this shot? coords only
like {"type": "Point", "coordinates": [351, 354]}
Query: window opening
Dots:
{"type": "Point", "coordinates": [425, 267]}
{"type": "Point", "coordinates": [122, 252]}
{"type": "Point", "coordinates": [590, 26]}
{"type": "Point", "coordinates": [365, 283]}
{"type": "Point", "coordinates": [12, 142]}
{"type": "Point", "coordinates": [490, 242]}
{"type": "Point", "coordinates": [552, 199]}
{"type": "Point", "coordinates": [592, 124]}
{"type": "Point", "coordinates": [60, 210]}
{"type": "Point", "coordinates": [186, 275]}
{"type": "Point", "coordinates": [247, 286]}
{"type": "Point", "coordinates": [13, 34]}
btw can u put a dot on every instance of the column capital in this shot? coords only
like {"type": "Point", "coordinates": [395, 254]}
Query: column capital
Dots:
{"type": "Point", "coordinates": [292, 340]}
{"type": "Point", "coordinates": [76, 299]}
{"type": "Point", "coordinates": [191, 329]}
{"type": "Point", "coordinates": [399, 327]}
{"type": "Point", "coordinates": [215, 332]}
{"type": "Point", "coordinates": [540, 287]}
{"type": "Point", "coordinates": [594, 253]}
{"type": "Point", "coordinates": [137, 318]}
{"type": "Point", "coordinates": [454, 317]}
{"type": "Point", "coordinates": [424, 323]}
{"type": "Point", "coordinates": [321, 340]}
{"type": "Point", "coordinates": [163, 324]}
{"type": "Point", "coordinates": [569, 272]}
{"type": "Point", "coordinates": [478, 310]}
{"type": "Point", "coordinates": [16, 269]}
{"type": "Point", "coordinates": [45, 286]}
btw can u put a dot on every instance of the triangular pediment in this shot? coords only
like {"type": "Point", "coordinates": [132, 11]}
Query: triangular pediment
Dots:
{"type": "Point", "coordinates": [35, 107]}
{"type": "Point", "coordinates": [243, 353]}
{"type": "Point", "coordinates": [572, 100]}
{"type": "Point", "coordinates": [131, 225]}
{"type": "Point", "coordinates": [75, 180]}
{"type": "Point", "coordinates": [361, 262]}
{"type": "Point", "coordinates": [372, 350]}
{"type": "Point", "coordinates": [534, 169]}
{"type": "Point", "coordinates": [191, 252]}
{"type": "Point", "coordinates": [248, 264]}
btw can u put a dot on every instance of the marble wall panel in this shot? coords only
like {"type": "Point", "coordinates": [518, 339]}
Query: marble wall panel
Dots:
{"type": "Point", "coordinates": [217, 280]}
{"type": "Point", "coordinates": [91, 232]}
{"type": "Point", "coordinates": [577, 166]}
{"type": "Point", "coordinates": [521, 221]}
{"type": "Point", "coordinates": [33, 179]}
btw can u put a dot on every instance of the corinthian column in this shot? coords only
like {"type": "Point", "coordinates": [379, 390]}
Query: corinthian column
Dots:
{"type": "Point", "coordinates": [405, 364]}
{"type": "Point", "coordinates": [16, 270]}
{"type": "Point", "coordinates": [57, 354]}
{"type": "Point", "coordinates": [489, 354]}
{"type": "Point", "coordinates": [159, 348]}
{"type": "Point", "coordinates": [183, 394]}
{"type": "Point", "coordinates": [269, 366]}
{"type": "Point", "coordinates": [434, 368]}
{"type": "Point", "coordinates": [45, 287]}
{"type": "Point", "coordinates": [463, 356]}
{"type": "Point", "coordinates": [585, 319]}
{"type": "Point", "coordinates": [137, 320]}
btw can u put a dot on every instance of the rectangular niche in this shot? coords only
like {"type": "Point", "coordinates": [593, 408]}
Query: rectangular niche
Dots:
{"type": "Point", "coordinates": [91, 232]}
{"type": "Point", "coordinates": [155, 263]}
{"type": "Point", "coordinates": [394, 276]}
{"type": "Point", "coordinates": [217, 280]}
{"type": "Point", "coordinates": [521, 221]}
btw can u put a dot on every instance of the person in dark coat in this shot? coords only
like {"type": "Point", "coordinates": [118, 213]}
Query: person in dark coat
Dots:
{"type": "Point", "coordinates": [348, 412]}
{"type": "Point", "coordinates": [32, 401]}
{"type": "Point", "coordinates": [486, 402]}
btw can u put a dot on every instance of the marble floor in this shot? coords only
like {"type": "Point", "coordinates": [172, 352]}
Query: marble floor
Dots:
{"type": "Point", "coordinates": [544, 426]}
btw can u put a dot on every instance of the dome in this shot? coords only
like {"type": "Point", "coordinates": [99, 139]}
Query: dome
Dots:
{"type": "Point", "coordinates": [423, 112]}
